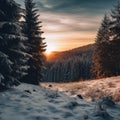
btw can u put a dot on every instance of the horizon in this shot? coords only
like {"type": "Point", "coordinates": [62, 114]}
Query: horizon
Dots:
{"type": "Point", "coordinates": [71, 24]}
{"type": "Point", "coordinates": [71, 49]}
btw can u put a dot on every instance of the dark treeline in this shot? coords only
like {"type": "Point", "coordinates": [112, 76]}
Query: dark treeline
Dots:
{"type": "Point", "coordinates": [70, 66]}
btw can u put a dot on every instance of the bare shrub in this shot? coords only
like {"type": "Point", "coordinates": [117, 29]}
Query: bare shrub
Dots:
{"type": "Point", "coordinates": [116, 96]}
{"type": "Point", "coordinates": [111, 85]}
{"type": "Point", "coordinates": [96, 93]}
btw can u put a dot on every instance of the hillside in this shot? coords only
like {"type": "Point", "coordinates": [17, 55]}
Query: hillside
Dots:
{"type": "Point", "coordinates": [29, 102]}
{"type": "Point", "coordinates": [90, 90]}
{"type": "Point", "coordinates": [55, 56]}
{"type": "Point", "coordinates": [69, 65]}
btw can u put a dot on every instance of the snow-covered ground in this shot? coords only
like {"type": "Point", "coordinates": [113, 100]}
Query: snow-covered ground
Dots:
{"type": "Point", "coordinates": [29, 102]}
{"type": "Point", "coordinates": [93, 89]}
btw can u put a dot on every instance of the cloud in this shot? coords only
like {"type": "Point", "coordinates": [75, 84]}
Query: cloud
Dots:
{"type": "Point", "coordinates": [75, 6]}
{"type": "Point", "coordinates": [61, 23]}
{"type": "Point", "coordinates": [71, 23]}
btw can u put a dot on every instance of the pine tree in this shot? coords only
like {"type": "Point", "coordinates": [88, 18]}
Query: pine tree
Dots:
{"type": "Point", "coordinates": [32, 30]}
{"type": "Point", "coordinates": [115, 24]}
{"type": "Point", "coordinates": [115, 41]}
{"type": "Point", "coordinates": [100, 60]}
{"type": "Point", "coordinates": [11, 44]}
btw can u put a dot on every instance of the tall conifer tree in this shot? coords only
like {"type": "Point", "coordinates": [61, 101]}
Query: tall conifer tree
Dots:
{"type": "Point", "coordinates": [32, 30]}
{"type": "Point", "coordinates": [100, 60]}
{"type": "Point", "coordinates": [115, 23]}
{"type": "Point", "coordinates": [115, 39]}
{"type": "Point", "coordinates": [11, 44]}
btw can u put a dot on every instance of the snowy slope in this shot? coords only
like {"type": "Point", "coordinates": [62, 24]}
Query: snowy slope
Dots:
{"type": "Point", "coordinates": [29, 102]}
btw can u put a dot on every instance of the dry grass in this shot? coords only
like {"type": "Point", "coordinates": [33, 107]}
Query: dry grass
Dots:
{"type": "Point", "coordinates": [111, 85]}
{"type": "Point", "coordinates": [95, 94]}
{"type": "Point", "coordinates": [116, 95]}
{"type": "Point", "coordinates": [90, 90]}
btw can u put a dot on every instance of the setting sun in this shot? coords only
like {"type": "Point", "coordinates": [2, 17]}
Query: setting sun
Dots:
{"type": "Point", "coordinates": [50, 48]}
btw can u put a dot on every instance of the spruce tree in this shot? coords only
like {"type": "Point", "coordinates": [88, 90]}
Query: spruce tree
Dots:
{"type": "Point", "coordinates": [11, 44]}
{"type": "Point", "coordinates": [106, 55]}
{"type": "Point", "coordinates": [32, 30]}
{"type": "Point", "coordinates": [100, 60]}
{"type": "Point", "coordinates": [115, 39]}
{"type": "Point", "coordinates": [115, 23]}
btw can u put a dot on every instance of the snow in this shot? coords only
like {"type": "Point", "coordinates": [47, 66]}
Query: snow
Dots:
{"type": "Point", "coordinates": [30, 102]}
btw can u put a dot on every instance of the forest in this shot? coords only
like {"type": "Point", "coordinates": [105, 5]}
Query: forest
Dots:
{"type": "Point", "coordinates": [22, 49]}
{"type": "Point", "coordinates": [69, 66]}
{"type": "Point", "coordinates": [25, 67]}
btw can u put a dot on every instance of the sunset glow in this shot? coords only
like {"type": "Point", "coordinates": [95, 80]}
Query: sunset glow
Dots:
{"type": "Point", "coordinates": [50, 48]}
{"type": "Point", "coordinates": [67, 40]}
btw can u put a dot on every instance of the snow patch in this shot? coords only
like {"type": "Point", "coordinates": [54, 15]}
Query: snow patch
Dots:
{"type": "Point", "coordinates": [30, 102]}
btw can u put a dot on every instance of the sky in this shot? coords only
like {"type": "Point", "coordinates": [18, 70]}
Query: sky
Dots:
{"type": "Point", "coordinates": [68, 24]}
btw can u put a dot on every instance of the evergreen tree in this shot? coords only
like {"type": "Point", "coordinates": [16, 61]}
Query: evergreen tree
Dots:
{"type": "Point", "coordinates": [100, 60]}
{"type": "Point", "coordinates": [32, 30]}
{"type": "Point", "coordinates": [11, 44]}
{"type": "Point", "coordinates": [115, 24]}
{"type": "Point", "coordinates": [106, 55]}
{"type": "Point", "coordinates": [115, 44]}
